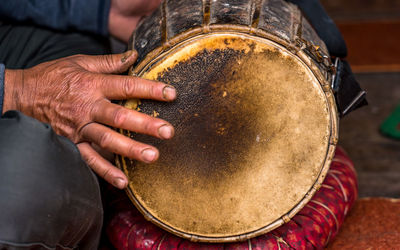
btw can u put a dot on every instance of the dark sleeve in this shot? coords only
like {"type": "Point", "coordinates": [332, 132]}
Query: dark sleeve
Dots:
{"type": "Point", "coordinates": [83, 15]}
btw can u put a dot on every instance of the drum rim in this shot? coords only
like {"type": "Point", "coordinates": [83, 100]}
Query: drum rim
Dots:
{"type": "Point", "coordinates": [154, 56]}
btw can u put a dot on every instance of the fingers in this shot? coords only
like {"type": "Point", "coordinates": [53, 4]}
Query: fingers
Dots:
{"type": "Point", "coordinates": [117, 143]}
{"type": "Point", "coordinates": [126, 87]}
{"type": "Point", "coordinates": [119, 87]}
{"type": "Point", "coordinates": [120, 117]}
{"type": "Point", "coordinates": [107, 64]}
{"type": "Point", "coordinates": [102, 167]}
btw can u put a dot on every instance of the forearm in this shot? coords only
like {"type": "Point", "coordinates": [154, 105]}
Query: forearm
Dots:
{"type": "Point", "coordinates": [88, 15]}
{"type": "Point", "coordinates": [2, 68]}
{"type": "Point", "coordinates": [12, 91]}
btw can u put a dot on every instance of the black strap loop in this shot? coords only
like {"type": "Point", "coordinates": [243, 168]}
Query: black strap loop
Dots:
{"type": "Point", "coordinates": [348, 93]}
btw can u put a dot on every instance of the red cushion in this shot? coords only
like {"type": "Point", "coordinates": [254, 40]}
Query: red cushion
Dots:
{"type": "Point", "coordinates": [313, 227]}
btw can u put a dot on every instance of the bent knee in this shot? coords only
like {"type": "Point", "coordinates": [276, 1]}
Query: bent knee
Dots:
{"type": "Point", "coordinates": [43, 180]}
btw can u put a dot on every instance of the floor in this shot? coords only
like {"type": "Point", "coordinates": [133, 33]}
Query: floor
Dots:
{"type": "Point", "coordinates": [371, 29]}
{"type": "Point", "coordinates": [373, 223]}
{"type": "Point", "coordinates": [376, 157]}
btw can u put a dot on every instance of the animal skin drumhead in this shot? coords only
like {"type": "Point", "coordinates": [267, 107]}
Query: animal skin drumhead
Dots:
{"type": "Point", "coordinates": [253, 128]}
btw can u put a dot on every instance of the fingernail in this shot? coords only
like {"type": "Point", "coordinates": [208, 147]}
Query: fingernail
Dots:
{"type": "Point", "coordinates": [126, 55]}
{"type": "Point", "coordinates": [169, 92]}
{"type": "Point", "coordinates": [166, 131]}
{"type": "Point", "coordinates": [119, 183]}
{"type": "Point", "coordinates": [149, 155]}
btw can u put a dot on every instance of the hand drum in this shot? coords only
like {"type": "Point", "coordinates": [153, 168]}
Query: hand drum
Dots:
{"type": "Point", "coordinates": [255, 118]}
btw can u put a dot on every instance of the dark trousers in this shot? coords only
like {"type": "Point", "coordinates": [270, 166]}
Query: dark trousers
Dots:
{"type": "Point", "coordinates": [49, 198]}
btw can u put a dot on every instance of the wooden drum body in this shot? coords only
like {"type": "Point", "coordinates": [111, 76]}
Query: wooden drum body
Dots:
{"type": "Point", "coordinates": [255, 118]}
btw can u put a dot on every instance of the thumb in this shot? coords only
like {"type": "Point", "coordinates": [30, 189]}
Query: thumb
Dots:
{"type": "Point", "coordinates": [107, 64]}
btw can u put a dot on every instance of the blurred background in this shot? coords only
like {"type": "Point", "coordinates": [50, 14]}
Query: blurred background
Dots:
{"type": "Point", "coordinates": [371, 29]}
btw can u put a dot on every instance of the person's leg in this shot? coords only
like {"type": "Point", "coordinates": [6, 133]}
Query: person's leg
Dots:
{"type": "Point", "coordinates": [49, 197]}
{"type": "Point", "coordinates": [24, 46]}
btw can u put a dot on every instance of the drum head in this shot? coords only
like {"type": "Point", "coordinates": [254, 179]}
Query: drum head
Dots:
{"type": "Point", "coordinates": [252, 142]}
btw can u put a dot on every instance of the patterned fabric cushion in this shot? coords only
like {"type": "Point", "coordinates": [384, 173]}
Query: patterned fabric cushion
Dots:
{"type": "Point", "coordinates": [313, 227]}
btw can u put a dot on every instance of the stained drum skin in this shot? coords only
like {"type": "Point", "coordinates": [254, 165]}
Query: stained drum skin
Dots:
{"type": "Point", "coordinates": [255, 120]}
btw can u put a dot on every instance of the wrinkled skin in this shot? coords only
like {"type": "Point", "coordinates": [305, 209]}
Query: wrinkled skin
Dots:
{"type": "Point", "coordinates": [74, 94]}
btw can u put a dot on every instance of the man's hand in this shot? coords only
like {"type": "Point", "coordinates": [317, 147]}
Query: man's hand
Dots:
{"type": "Point", "coordinates": [73, 95]}
{"type": "Point", "coordinates": [125, 15]}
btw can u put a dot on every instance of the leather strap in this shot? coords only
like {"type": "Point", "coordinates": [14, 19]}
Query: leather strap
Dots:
{"type": "Point", "coordinates": [348, 93]}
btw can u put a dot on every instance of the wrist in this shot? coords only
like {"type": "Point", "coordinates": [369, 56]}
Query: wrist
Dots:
{"type": "Point", "coordinates": [121, 25]}
{"type": "Point", "coordinates": [117, 26]}
{"type": "Point", "coordinates": [112, 27]}
{"type": "Point", "coordinates": [13, 81]}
